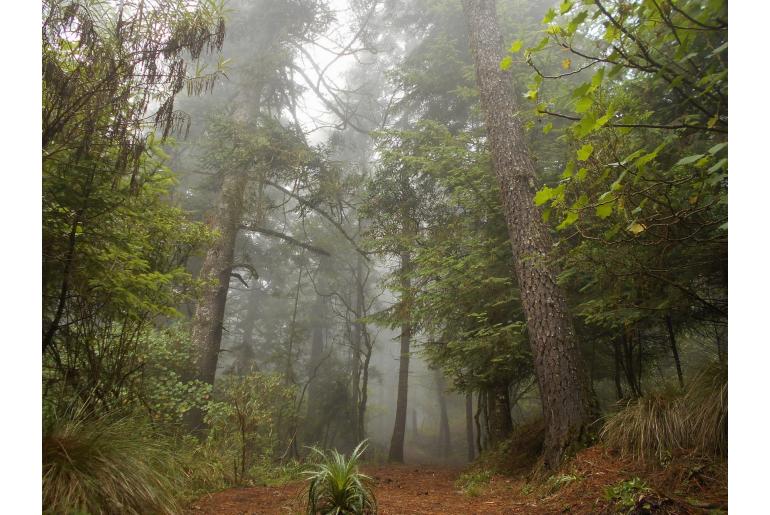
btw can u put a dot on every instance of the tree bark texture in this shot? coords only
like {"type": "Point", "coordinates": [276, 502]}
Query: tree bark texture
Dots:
{"type": "Point", "coordinates": [567, 401]}
{"type": "Point", "coordinates": [396, 453]}
{"type": "Point", "coordinates": [216, 269]}
{"type": "Point", "coordinates": [499, 408]}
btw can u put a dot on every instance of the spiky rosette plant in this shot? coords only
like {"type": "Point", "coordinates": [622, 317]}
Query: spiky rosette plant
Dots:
{"type": "Point", "coordinates": [336, 487]}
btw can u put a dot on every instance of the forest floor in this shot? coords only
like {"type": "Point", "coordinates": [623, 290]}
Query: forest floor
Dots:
{"type": "Point", "coordinates": [580, 488]}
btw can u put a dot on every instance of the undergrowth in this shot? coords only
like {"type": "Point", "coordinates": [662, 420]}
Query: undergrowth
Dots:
{"type": "Point", "coordinates": [663, 423]}
{"type": "Point", "coordinates": [101, 464]}
{"type": "Point", "coordinates": [474, 482]}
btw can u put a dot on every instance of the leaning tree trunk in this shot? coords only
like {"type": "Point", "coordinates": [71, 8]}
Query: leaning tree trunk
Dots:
{"type": "Point", "coordinates": [216, 269]}
{"type": "Point", "coordinates": [399, 427]}
{"type": "Point", "coordinates": [564, 387]}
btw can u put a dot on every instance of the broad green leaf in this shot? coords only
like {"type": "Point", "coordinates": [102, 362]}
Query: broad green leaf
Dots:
{"type": "Point", "coordinates": [570, 219]}
{"type": "Point", "coordinates": [516, 46]}
{"type": "Point", "coordinates": [549, 15]}
{"type": "Point", "coordinates": [568, 170]}
{"type": "Point", "coordinates": [719, 164]}
{"type": "Point", "coordinates": [544, 195]}
{"type": "Point", "coordinates": [716, 148]}
{"type": "Point", "coordinates": [576, 21]}
{"type": "Point", "coordinates": [585, 152]}
{"type": "Point", "coordinates": [583, 104]}
{"type": "Point", "coordinates": [720, 48]}
{"type": "Point", "coordinates": [636, 228]}
{"type": "Point", "coordinates": [547, 128]}
{"type": "Point", "coordinates": [604, 210]}
{"type": "Point", "coordinates": [506, 62]}
{"type": "Point", "coordinates": [565, 6]}
{"type": "Point", "coordinates": [688, 160]}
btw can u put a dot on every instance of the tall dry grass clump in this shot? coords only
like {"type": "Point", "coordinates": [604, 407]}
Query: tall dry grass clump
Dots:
{"type": "Point", "coordinates": [105, 464]}
{"type": "Point", "coordinates": [661, 423]}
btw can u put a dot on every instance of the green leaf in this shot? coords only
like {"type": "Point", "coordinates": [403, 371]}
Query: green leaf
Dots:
{"type": "Point", "coordinates": [547, 128]}
{"type": "Point", "coordinates": [506, 62]}
{"type": "Point", "coordinates": [720, 48]}
{"type": "Point", "coordinates": [719, 164]}
{"type": "Point", "coordinates": [583, 104]}
{"type": "Point", "coordinates": [568, 170]}
{"type": "Point", "coordinates": [688, 160]}
{"type": "Point", "coordinates": [570, 219]}
{"type": "Point", "coordinates": [604, 210]}
{"type": "Point", "coordinates": [549, 15]}
{"type": "Point", "coordinates": [516, 46]}
{"type": "Point", "coordinates": [576, 21]}
{"type": "Point", "coordinates": [544, 195]}
{"type": "Point", "coordinates": [585, 152]}
{"type": "Point", "coordinates": [565, 6]}
{"type": "Point", "coordinates": [636, 228]}
{"type": "Point", "coordinates": [716, 148]}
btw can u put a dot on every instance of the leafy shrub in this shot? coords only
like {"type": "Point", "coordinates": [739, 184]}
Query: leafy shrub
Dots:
{"type": "Point", "coordinates": [336, 487]}
{"type": "Point", "coordinates": [472, 483]}
{"type": "Point", "coordinates": [243, 419]}
{"type": "Point", "coordinates": [660, 423]}
{"type": "Point", "coordinates": [107, 464]}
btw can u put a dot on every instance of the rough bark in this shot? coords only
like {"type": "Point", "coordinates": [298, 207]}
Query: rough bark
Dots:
{"type": "Point", "coordinates": [469, 426]}
{"type": "Point", "coordinates": [568, 404]}
{"type": "Point", "coordinates": [396, 453]}
{"type": "Point", "coordinates": [216, 268]}
{"type": "Point", "coordinates": [674, 350]}
{"type": "Point", "coordinates": [500, 423]}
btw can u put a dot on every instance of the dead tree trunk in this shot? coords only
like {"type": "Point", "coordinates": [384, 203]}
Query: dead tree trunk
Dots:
{"type": "Point", "coordinates": [568, 403]}
{"type": "Point", "coordinates": [216, 269]}
{"type": "Point", "coordinates": [396, 453]}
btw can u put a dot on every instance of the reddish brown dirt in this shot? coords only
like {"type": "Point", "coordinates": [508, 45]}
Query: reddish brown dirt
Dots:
{"type": "Point", "coordinates": [429, 490]}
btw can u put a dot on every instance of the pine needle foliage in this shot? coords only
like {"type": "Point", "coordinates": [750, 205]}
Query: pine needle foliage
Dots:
{"type": "Point", "coordinates": [105, 464]}
{"type": "Point", "coordinates": [335, 487]}
{"type": "Point", "coordinates": [661, 423]}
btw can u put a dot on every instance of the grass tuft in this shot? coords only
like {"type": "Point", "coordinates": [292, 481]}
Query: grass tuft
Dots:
{"type": "Point", "coordinates": [336, 487]}
{"type": "Point", "coordinates": [661, 424]}
{"type": "Point", "coordinates": [103, 464]}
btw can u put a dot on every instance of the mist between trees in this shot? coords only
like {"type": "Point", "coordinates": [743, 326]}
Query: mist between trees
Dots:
{"type": "Point", "coordinates": [269, 225]}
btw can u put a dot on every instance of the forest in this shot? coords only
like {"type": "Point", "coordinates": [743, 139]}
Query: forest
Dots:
{"type": "Point", "coordinates": [384, 256]}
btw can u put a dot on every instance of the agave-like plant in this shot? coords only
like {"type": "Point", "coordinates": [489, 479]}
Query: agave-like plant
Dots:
{"type": "Point", "coordinates": [336, 487]}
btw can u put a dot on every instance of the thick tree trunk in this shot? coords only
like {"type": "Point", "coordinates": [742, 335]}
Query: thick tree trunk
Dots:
{"type": "Point", "coordinates": [567, 400]}
{"type": "Point", "coordinates": [469, 426]}
{"type": "Point", "coordinates": [399, 427]}
{"type": "Point", "coordinates": [500, 423]}
{"type": "Point", "coordinates": [217, 265]}
{"type": "Point", "coordinates": [674, 350]}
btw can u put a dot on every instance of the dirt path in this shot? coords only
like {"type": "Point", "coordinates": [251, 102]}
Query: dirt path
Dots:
{"type": "Point", "coordinates": [400, 490]}
{"type": "Point", "coordinates": [431, 490]}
